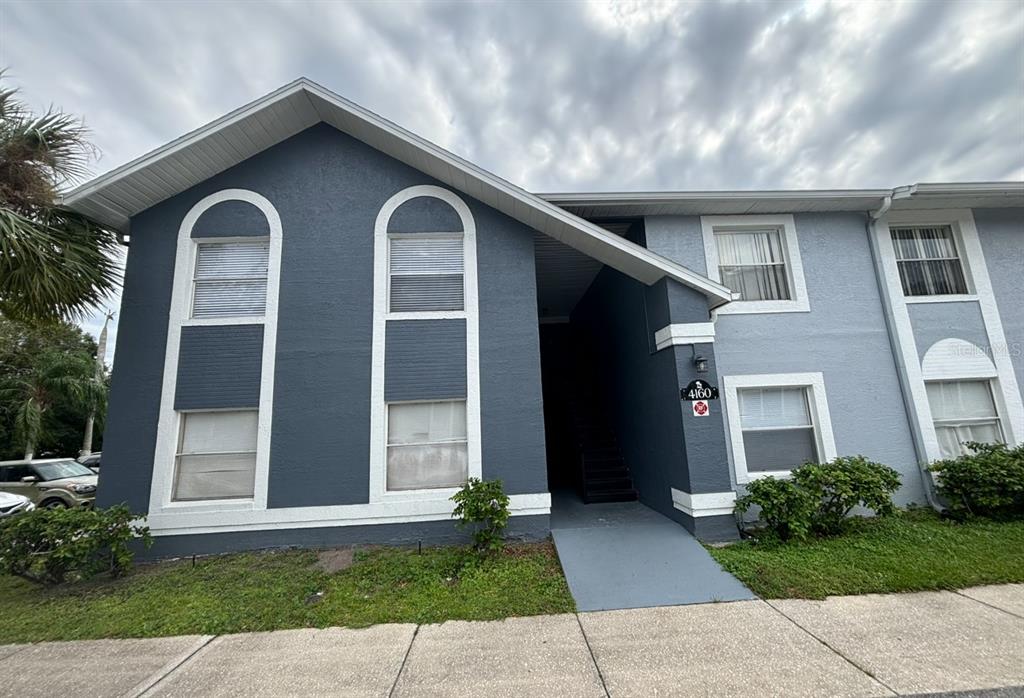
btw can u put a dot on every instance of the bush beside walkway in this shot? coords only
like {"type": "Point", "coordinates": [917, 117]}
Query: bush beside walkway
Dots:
{"type": "Point", "coordinates": [911, 551]}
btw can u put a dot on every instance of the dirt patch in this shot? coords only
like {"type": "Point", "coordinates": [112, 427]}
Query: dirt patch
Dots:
{"type": "Point", "coordinates": [334, 560]}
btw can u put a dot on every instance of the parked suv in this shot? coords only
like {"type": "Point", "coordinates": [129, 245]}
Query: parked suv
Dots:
{"type": "Point", "coordinates": [91, 461]}
{"type": "Point", "coordinates": [50, 483]}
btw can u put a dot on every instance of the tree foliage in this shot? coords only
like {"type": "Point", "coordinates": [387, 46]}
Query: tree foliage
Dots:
{"type": "Point", "coordinates": [48, 385]}
{"type": "Point", "coordinates": [54, 263]}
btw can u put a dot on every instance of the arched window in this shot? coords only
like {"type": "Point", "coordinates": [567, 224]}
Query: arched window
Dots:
{"type": "Point", "coordinates": [425, 418]}
{"type": "Point", "coordinates": [959, 378]}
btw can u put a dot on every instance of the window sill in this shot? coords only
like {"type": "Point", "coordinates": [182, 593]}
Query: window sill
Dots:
{"type": "Point", "coordinates": [951, 298]}
{"type": "Point", "coordinates": [213, 321]}
{"type": "Point", "coordinates": [759, 307]}
{"type": "Point", "coordinates": [208, 505]}
{"type": "Point", "coordinates": [427, 315]}
{"type": "Point", "coordinates": [760, 475]}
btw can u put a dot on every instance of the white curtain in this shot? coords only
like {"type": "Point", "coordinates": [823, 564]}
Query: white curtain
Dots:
{"type": "Point", "coordinates": [963, 411]}
{"type": "Point", "coordinates": [231, 279]}
{"type": "Point", "coordinates": [752, 263]}
{"type": "Point", "coordinates": [217, 455]}
{"type": "Point", "coordinates": [427, 445]}
{"type": "Point", "coordinates": [426, 274]}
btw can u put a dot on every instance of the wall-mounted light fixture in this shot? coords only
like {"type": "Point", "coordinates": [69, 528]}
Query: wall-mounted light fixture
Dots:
{"type": "Point", "coordinates": [700, 364]}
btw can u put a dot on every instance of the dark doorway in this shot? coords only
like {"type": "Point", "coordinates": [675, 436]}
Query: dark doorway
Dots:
{"type": "Point", "coordinates": [583, 452]}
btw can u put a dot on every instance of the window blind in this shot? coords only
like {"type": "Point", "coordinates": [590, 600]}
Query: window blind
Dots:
{"type": "Point", "coordinates": [427, 445]}
{"type": "Point", "coordinates": [426, 274]}
{"type": "Point", "coordinates": [778, 433]}
{"type": "Point", "coordinates": [752, 263]}
{"type": "Point", "coordinates": [231, 279]}
{"type": "Point", "coordinates": [216, 455]}
{"type": "Point", "coordinates": [928, 261]}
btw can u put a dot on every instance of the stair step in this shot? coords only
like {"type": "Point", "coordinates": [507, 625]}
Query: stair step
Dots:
{"type": "Point", "coordinates": [604, 484]}
{"type": "Point", "coordinates": [611, 496]}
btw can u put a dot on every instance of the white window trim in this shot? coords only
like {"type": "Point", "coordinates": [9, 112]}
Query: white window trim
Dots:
{"type": "Point", "coordinates": [168, 426]}
{"type": "Point", "coordinates": [381, 316]}
{"type": "Point", "coordinates": [799, 303]}
{"type": "Point", "coordinates": [821, 420]}
{"type": "Point", "coordinates": [1007, 392]}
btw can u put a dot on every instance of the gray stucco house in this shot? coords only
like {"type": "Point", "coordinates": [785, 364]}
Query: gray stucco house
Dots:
{"type": "Point", "coordinates": [329, 323]}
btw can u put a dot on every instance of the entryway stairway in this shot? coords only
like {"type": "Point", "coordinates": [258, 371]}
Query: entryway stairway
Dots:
{"type": "Point", "coordinates": [605, 475]}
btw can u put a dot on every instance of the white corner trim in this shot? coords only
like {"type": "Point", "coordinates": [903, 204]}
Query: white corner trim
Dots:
{"type": "Point", "coordinates": [171, 523]}
{"type": "Point", "coordinates": [706, 504]}
{"type": "Point", "coordinates": [161, 485]}
{"type": "Point", "coordinates": [954, 359]}
{"type": "Point", "coordinates": [820, 417]}
{"type": "Point", "coordinates": [1009, 401]}
{"type": "Point", "coordinates": [381, 315]}
{"type": "Point", "coordinates": [685, 333]}
{"type": "Point", "coordinates": [799, 303]}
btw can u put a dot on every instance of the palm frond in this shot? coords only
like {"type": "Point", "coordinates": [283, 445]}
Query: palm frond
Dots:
{"type": "Point", "coordinates": [56, 267]}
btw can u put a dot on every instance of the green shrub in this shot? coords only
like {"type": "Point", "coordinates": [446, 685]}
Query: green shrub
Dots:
{"type": "Point", "coordinates": [987, 482]}
{"type": "Point", "coordinates": [817, 498]}
{"type": "Point", "coordinates": [844, 483]}
{"type": "Point", "coordinates": [49, 546]}
{"type": "Point", "coordinates": [786, 510]}
{"type": "Point", "coordinates": [483, 505]}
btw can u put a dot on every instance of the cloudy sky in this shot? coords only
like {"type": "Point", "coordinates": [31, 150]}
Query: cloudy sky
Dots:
{"type": "Point", "coordinates": [566, 96]}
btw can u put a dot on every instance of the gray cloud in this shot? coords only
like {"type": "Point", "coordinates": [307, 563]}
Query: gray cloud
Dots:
{"type": "Point", "coordinates": [563, 96]}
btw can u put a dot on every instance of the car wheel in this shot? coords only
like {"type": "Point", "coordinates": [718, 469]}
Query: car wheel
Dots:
{"type": "Point", "coordinates": [53, 504]}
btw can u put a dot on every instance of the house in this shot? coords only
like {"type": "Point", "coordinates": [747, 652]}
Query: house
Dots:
{"type": "Point", "coordinates": [329, 323]}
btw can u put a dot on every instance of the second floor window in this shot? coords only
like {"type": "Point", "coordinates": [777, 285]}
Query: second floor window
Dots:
{"type": "Point", "coordinates": [928, 261]}
{"type": "Point", "coordinates": [425, 273]}
{"type": "Point", "coordinates": [753, 264]}
{"type": "Point", "coordinates": [230, 279]}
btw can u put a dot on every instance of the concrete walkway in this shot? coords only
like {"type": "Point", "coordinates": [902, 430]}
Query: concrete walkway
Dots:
{"type": "Point", "coordinates": [906, 644]}
{"type": "Point", "coordinates": [625, 555]}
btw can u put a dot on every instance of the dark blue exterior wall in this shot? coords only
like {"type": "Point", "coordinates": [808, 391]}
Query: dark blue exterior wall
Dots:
{"type": "Point", "coordinates": [328, 189]}
{"type": "Point", "coordinates": [425, 360]}
{"type": "Point", "coordinates": [219, 367]}
{"type": "Point", "coordinates": [231, 219]}
{"type": "Point", "coordinates": [425, 214]}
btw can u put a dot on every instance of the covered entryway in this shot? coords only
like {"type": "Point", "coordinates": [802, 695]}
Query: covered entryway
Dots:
{"type": "Point", "coordinates": [624, 555]}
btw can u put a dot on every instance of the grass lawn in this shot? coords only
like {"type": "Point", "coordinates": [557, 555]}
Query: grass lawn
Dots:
{"type": "Point", "coordinates": [269, 591]}
{"type": "Point", "coordinates": [914, 551]}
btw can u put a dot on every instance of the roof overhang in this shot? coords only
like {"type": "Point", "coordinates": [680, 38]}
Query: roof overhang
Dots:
{"type": "Point", "coordinates": [113, 198]}
{"type": "Point", "coordinates": [916, 196]}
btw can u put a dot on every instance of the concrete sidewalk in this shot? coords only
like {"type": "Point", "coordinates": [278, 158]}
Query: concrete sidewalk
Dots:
{"type": "Point", "coordinates": [876, 645]}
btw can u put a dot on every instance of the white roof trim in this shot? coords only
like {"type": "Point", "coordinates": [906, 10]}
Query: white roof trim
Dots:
{"type": "Point", "coordinates": [113, 198]}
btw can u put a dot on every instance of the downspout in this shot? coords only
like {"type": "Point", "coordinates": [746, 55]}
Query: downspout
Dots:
{"type": "Point", "coordinates": [874, 218]}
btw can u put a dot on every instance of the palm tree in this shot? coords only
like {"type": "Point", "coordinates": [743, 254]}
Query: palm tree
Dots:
{"type": "Point", "coordinates": [54, 377]}
{"type": "Point", "coordinates": [54, 263]}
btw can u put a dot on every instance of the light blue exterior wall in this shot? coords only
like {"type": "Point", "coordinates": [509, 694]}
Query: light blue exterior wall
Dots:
{"type": "Point", "coordinates": [933, 322]}
{"type": "Point", "coordinates": [844, 336]}
{"type": "Point", "coordinates": [1002, 239]}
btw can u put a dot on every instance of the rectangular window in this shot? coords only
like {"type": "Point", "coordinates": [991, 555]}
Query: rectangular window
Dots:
{"type": "Point", "coordinates": [230, 279]}
{"type": "Point", "coordinates": [427, 446]}
{"type": "Point", "coordinates": [778, 432]}
{"type": "Point", "coordinates": [752, 263]}
{"type": "Point", "coordinates": [963, 411]}
{"type": "Point", "coordinates": [216, 456]}
{"type": "Point", "coordinates": [426, 274]}
{"type": "Point", "coordinates": [928, 261]}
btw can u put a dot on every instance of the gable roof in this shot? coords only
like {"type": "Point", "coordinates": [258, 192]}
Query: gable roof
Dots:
{"type": "Point", "coordinates": [113, 198]}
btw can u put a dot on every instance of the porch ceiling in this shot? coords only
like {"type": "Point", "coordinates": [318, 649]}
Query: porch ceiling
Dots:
{"type": "Point", "coordinates": [563, 276]}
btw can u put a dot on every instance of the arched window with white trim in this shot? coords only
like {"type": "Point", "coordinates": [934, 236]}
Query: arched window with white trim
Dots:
{"type": "Point", "coordinates": [959, 379]}
{"type": "Point", "coordinates": [425, 432]}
